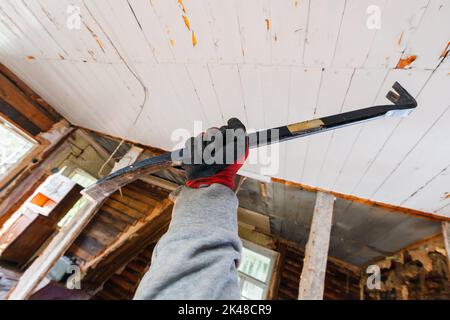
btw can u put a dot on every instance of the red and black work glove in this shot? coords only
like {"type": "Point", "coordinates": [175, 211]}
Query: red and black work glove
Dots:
{"type": "Point", "coordinates": [216, 155]}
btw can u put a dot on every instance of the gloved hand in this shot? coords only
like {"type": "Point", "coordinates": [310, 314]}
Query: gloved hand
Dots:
{"type": "Point", "coordinates": [216, 155]}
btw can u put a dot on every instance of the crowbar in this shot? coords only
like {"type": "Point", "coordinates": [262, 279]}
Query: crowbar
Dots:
{"type": "Point", "coordinates": [403, 105]}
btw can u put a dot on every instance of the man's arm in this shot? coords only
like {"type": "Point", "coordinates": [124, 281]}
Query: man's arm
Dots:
{"type": "Point", "coordinates": [197, 258]}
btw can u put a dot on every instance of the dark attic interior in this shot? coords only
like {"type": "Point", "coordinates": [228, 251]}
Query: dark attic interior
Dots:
{"type": "Point", "coordinates": [105, 256]}
{"type": "Point", "coordinates": [344, 195]}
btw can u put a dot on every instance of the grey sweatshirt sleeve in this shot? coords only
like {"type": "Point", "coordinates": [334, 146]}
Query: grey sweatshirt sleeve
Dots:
{"type": "Point", "coordinates": [197, 257]}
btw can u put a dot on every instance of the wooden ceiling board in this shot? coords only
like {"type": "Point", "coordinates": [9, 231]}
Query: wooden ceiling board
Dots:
{"type": "Point", "coordinates": [140, 69]}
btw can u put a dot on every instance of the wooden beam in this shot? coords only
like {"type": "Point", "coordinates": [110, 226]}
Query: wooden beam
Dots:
{"type": "Point", "coordinates": [312, 281]}
{"type": "Point", "coordinates": [56, 248]}
{"type": "Point", "coordinates": [33, 276]}
{"type": "Point", "coordinates": [33, 96]}
{"type": "Point", "coordinates": [129, 158]}
{"type": "Point", "coordinates": [446, 234]}
{"type": "Point", "coordinates": [132, 232]}
{"type": "Point", "coordinates": [16, 98]}
{"type": "Point", "coordinates": [102, 152]}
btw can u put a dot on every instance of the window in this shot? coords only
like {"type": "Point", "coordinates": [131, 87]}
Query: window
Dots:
{"type": "Point", "coordinates": [84, 179]}
{"type": "Point", "coordinates": [255, 271]}
{"type": "Point", "coordinates": [14, 147]}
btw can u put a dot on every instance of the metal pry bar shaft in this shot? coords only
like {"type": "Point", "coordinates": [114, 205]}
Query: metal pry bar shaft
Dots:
{"type": "Point", "coordinates": [404, 103]}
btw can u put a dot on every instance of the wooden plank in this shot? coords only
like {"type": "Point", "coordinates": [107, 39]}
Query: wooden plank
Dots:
{"type": "Point", "coordinates": [433, 196]}
{"type": "Point", "coordinates": [225, 30]}
{"type": "Point", "coordinates": [423, 162]}
{"type": "Point", "coordinates": [333, 90]}
{"type": "Point", "coordinates": [288, 25]}
{"type": "Point", "coordinates": [55, 249]}
{"type": "Point", "coordinates": [355, 37]}
{"type": "Point", "coordinates": [30, 93]}
{"type": "Point", "coordinates": [406, 135]}
{"type": "Point", "coordinates": [201, 81]}
{"type": "Point", "coordinates": [258, 220]}
{"type": "Point", "coordinates": [399, 20]}
{"type": "Point", "coordinates": [364, 81]}
{"type": "Point", "coordinates": [182, 27]}
{"type": "Point", "coordinates": [225, 79]}
{"type": "Point", "coordinates": [312, 281]}
{"type": "Point", "coordinates": [254, 27]}
{"type": "Point", "coordinates": [428, 49]}
{"type": "Point", "coordinates": [373, 135]}
{"type": "Point", "coordinates": [446, 234]}
{"type": "Point", "coordinates": [130, 157]}
{"type": "Point", "coordinates": [126, 236]}
{"type": "Point", "coordinates": [60, 243]}
{"type": "Point", "coordinates": [155, 35]}
{"type": "Point", "coordinates": [321, 37]}
{"type": "Point", "coordinates": [16, 98]}
{"type": "Point", "coordinates": [304, 86]}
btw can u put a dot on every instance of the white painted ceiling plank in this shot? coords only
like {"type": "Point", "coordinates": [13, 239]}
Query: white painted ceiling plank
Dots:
{"type": "Point", "coordinates": [14, 42]}
{"type": "Point", "coordinates": [89, 38]}
{"type": "Point", "coordinates": [333, 90]}
{"type": "Point", "coordinates": [254, 23]}
{"type": "Point", "coordinates": [225, 30]}
{"type": "Point", "coordinates": [431, 39]}
{"type": "Point", "coordinates": [118, 20]}
{"type": "Point", "coordinates": [356, 38]}
{"type": "Point", "coordinates": [226, 82]}
{"type": "Point", "coordinates": [399, 20]}
{"type": "Point", "coordinates": [432, 198]}
{"type": "Point", "coordinates": [252, 90]}
{"type": "Point", "coordinates": [200, 77]}
{"type": "Point", "coordinates": [201, 24]}
{"type": "Point", "coordinates": [288, 21]}
{"type": "Point", "coordinates": [155, 35]}
{"type": "Point", "coordinates": [444, 211]}
{"type": "Point", "coordinates": [22, 22]}
{"type": "Point", "coordinates": [324, 22]}
{"type": "Point", "coordinates": [432, 102]}
{"type": "Point", "coordinates": [275, 89]}
{"type": "Point", "coordinates": [373, 135]}
{"type": "Point", "coordinates": [171, 14]}
{"type": "Point", "coordinates": [186, 100]}
{"type": "Point", "coordinates": [54, 19]}
{"type": "Point", "coordinates": [426, 161]}
{"type": "Point", "coordinates": [160, 116]}
{"type": "Point", "coordinates": [304, 86]}
{"type": "Point", "coordinates": [362, 93]}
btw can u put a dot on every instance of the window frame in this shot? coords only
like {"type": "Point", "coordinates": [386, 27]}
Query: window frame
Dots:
{"type": "Point", "coordinates": [25, 160]}
{"type": "Point", "coordinates": [273, 257]}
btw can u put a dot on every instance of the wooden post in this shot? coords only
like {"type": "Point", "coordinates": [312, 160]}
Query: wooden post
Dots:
{"type": "Point", "coordinates": [33, 276]}
{"type": "Point", "coordinates": [446, 234]}
{"type": "Point", "coordinates": [312, 281]}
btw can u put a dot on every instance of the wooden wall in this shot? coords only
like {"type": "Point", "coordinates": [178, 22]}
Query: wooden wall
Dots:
{"type": "Point", "coordinates": [341, 282]}
{"type": "Point", "coordinates": [22, 106]}
{"type": "Point", "coordinates": [420, 272]}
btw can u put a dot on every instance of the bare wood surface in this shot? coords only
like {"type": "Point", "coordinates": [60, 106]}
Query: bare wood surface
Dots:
{"type": "Point", "coordinates": [446, 234]}
{"type": "Point", "coordinates": [312, 281]}
{"type": "Point", "coordinates": [59, 244]}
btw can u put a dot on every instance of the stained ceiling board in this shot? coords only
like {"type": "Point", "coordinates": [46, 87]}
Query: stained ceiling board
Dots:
{"type": "Point", "coordinates": [148, 71]}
